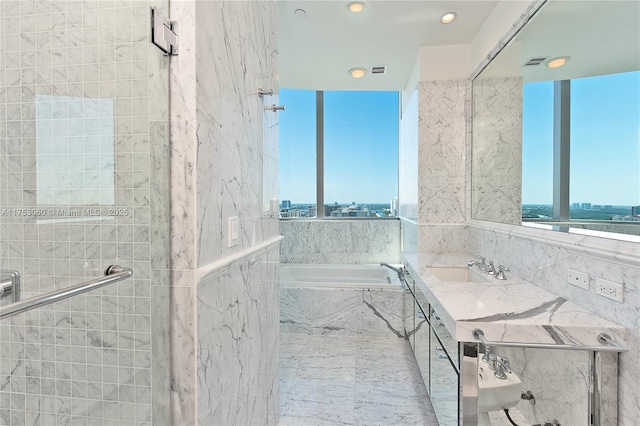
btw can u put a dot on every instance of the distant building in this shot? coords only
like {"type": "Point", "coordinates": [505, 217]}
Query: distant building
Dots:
{"type": "Point", "coordinates": [625, 218]}
{"type": "Point", "coordinates": [353, 210]}
{"type": "Point", "coordinates": [585, 206]}
{"type": "Point", "coordinates": [289, 213]}
{"type": "Point", "coordinates": [329, 209]}
{"type": "Point", "coordinates": [575, 206]}
{"type": "Point", "coordinates": [286, 204]}
{"type": "Point", "coordinates": [394, 207]}
{"type": "Point", "coordinates": [312, 211]}
{"type": "Point", "coordinates": [635, 211]}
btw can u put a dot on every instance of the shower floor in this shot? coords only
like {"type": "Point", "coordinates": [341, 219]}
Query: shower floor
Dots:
{"type": "Point", "coordinates": [350, 380]}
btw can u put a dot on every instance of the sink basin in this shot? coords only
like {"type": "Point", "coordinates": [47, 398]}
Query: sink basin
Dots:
{"type": "Point", "coordinates": [457, 274]}
{"type": "Point", "coordinates": [497, 394]}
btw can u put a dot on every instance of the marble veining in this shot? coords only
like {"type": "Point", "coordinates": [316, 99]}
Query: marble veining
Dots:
{"type": "Point", "coordinates": [497, 149]}
{"type": "Point", "coordinates": [543, 258]}
{"type": "Point", "coordinates": [441, 127]}
{"type": "Point", "coordinates": [358, 312]}
{"type": "Point", "coordinates": [237, 343]}
{"type": "Point", "coordinates": [350, 380]}
{"type": "Point", "coordinates": [340, 241]}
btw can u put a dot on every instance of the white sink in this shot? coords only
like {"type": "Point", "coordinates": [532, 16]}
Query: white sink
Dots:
{"type": "Point", "coordinates": [455, 274]}
{"type": "Point", "coordinates": [494, 393]}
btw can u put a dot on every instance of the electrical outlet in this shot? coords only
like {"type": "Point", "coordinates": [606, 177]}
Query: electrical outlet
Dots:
{"type": "Point", "coordinates": [579, 279]}
{"type": "Point", "coordinates": [610, 289]}
{"type": "Point", "coordinates": [233, 231]}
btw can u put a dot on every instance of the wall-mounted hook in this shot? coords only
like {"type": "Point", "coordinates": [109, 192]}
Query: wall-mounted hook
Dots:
{"type": "Point", "coordinates": [263, 92]}
{"type": "Point", "coordinates": [274, 108]}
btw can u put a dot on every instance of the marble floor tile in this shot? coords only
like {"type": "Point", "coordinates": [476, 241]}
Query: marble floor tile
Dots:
{"type": "Point", "coordinates": [350, 380]}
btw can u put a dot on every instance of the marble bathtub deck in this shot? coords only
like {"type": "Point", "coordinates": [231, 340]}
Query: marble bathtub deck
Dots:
{"type": "Point", "coordinates": [350, 380]}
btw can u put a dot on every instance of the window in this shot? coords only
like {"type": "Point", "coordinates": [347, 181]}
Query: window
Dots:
{"type": "Point", "coordinates": [595, 121]}
{"type": "Point", "coordinates": [357, 145]}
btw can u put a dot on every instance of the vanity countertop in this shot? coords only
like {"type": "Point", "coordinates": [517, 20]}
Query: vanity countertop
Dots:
{"type": "Point", "coordinates": [512, 310]}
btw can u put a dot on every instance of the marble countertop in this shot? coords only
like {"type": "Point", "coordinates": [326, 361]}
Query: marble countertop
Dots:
{"type": "Point", "coordinates": [512, 310]}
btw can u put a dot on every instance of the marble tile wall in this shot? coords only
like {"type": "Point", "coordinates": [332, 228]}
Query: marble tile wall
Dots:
{"type": "Point", "coordinates": [238, 343]}
{"type": "Point", "coordinates": [340, 241]}
{"type": "Point", "coordinates": [342, 311]}
{"type": "Point", "coordinates": [81, 91]}
{"type": "Point", "coordinates": [497, 150]}
{"type": "Point", "coordinates": [224, 155]}
{"type": "Point", "coordinates": [544, 257]}
{"type": "Point", "coordinates": [441, 151]}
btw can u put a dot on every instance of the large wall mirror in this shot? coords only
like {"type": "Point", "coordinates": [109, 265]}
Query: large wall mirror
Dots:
{"type": "Point", "coordinates": [556, 122]}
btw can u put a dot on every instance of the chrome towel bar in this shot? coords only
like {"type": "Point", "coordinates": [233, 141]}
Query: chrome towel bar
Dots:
{"type": "Point", "coordinates": [608, 344]}
{"type": "Point", "coordinates": [113, 274]}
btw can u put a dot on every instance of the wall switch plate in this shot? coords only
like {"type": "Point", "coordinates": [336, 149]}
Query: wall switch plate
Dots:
{"type": "Point", "coordinates": [610, 289]}
{"type": "Point", "coordinates": [233, 231]}
{"type": "Point", "coordinates": [579, 279]}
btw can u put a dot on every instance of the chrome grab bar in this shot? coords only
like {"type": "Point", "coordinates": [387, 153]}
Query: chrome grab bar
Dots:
{"type": "Point", "coordinates": [609, 345]}
{"type": "Point", "coordinates": [113, 274]}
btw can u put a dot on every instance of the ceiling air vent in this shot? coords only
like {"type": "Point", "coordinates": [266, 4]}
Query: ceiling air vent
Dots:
{"type": "Point", "coordinates": [379, 70]}
{"type": "Point", "coordinates": [535, 61]}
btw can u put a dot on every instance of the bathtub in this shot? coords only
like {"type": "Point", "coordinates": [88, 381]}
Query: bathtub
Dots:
{"type": "Point", "coordinates": [359, 300]}
{"type": "Point", "coordinates": [338, 276]}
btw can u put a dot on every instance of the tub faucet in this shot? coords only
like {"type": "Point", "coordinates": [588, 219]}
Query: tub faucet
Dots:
{"type": "Point", "coordinates": [398, 271]}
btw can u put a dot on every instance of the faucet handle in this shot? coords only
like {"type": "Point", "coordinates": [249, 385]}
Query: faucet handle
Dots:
{"type": "Point", "coordinates": [482, 258]}
{"type": "Point", "coordinates": [502, 368]}
{"type": "Point", "coordinates": [500, 275]}
{"type": "Point", "coordinates": [491, 270]}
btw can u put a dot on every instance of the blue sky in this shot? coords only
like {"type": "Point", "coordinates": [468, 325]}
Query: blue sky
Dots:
{"type": "Point", "coordinates": [605, 141]}
{"type": "Point", "coordinates": [360, 145]}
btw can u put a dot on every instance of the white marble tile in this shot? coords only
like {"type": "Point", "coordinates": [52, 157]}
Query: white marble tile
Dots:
{"type": "Point", "coordinates": [497, 149]}
{"type": "Point", "coordinates": [341, 311]}
{"type": "Point", "coordinates": [335, 241]}
{"type": "Point", "coordinates": [183, 355]}
{"type": "Point", "coordinates": [378, 385]}
{"type": "Point", "coordinates": [237, 363]}
{"type": "Point", "coordinates": [441, 128]}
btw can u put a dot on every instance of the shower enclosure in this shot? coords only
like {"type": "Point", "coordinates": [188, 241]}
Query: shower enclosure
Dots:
{"type": "Point", "coordinates": [84, 184]}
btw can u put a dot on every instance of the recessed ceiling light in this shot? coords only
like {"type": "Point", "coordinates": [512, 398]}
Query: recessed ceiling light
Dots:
{"type": "Point", "coordinates": [557, 62]}
{"type": "Point", "coordinates": [300, 13]}
{"type": "Point", "coordinates": [357, 72]}
{"type": "Point", "coordinates": [448, 17]}
{"type": "Point", "coordinates": [356, 6]}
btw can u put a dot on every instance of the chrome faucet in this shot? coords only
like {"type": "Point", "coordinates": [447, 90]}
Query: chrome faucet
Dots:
{"type": "Point", "coordinates": [399, 271]}
{"type": "Point", "coordinates": [483, 266]}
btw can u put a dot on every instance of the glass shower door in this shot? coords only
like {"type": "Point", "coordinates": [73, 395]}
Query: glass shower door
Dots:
{"type": "Point", "coordinates": [83, 116]}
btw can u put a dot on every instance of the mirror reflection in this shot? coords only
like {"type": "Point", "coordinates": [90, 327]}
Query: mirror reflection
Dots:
{"type": "Point", "coordinates": [556, 122]}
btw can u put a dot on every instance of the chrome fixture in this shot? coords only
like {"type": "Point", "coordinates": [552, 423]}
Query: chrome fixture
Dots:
{"type": "Point", "coordinates": [500, 275]}
{"type": "Point", "coordinates": [399, 271]}
{"type": "Point", "coordinates": [491, 270]}
{"type": "Point", "coordinates": [274, 108]}
{"type": "Point", "coordinates": [164, 33]}
{"type": "Point", "coordinates": [265, 92]}
{"type": "Point", "coordinates": [484, 267]}
{"type": "Point", "coordinates": [502, 367]}
{"type": "Point", "coordinates": [529, 397]}
{"type": "Point", "coordinates": [113, 274]}
{"type": "Point", "coordinates": [608, 344]}
{"type": "Point", "coordinates": [487, 353]}
{"type": "Point", "coordinates": [10, 285]}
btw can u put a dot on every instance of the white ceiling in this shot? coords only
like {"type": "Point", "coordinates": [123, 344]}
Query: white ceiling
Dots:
{"type": "Point", "coordinates": [317, 52]}
{"type": "Point", "coordinates": [601, 37]}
